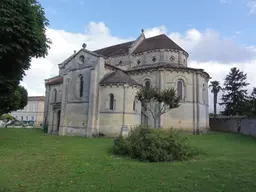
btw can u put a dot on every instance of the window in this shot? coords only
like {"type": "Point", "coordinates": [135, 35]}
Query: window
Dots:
{"type": "Point", "coordinates": [111, 101]}
{"type": "Point", "coordinates": [81, 85]}
{"type": "Point", "coordinates": [26, 118]}
{"type": "Point", "coordinates": [138, 61]}
{"type": "Point", "coordinates": [54, 95]}
{"type": "Point", "coordinates": [172, 58]}
{"type": "Point", "coordinates": [21, 118]}
{"type": "Point", "coordinates": [81, 58]}
{"type": "Point", "coordinates": [179, 88]}
{"type": "Point", "coordinates": [34, 107]}
{"type": "Point", "coordinates": [153, 59]}
{"type": "Point", "coordinates": [120, 62]}
{"type": "Point", "coordinates": [147, 84]}
{"type": "Point", "coordinates": [32, 118]}
{"type": "Point", "coordinates": [134, 105]}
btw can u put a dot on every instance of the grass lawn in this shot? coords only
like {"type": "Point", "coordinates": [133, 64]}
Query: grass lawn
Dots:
{"type": "Point", "coordinates": [33, 161]}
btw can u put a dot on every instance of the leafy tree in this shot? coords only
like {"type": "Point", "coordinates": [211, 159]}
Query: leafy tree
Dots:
{"type": "Point", "coordinates": [215, 89]}
{"type": "Point", "coordinates": [23, 25]}
{"type": "Point", "coordinates": [250, 105]}
{"type": "Point", "coordinates": [158, 102]}
{"type": "Point", "coordinates": [16, 100]}
{"type": "Point", "coordinates": [235, 94]}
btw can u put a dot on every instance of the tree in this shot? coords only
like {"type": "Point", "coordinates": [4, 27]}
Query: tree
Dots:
{"type": "Point", "coordinates": [235, 94]}
{"type": "Point", "coordinates": [215, 85]}
{"type": "Point", "coordinates": [23, 25]}
{"type": "Point", "coordinates": [16, 100]}
{"type": "Point", "coordinates": [157, 102]}
{"type": "Point", "coordinates": [250, 105]}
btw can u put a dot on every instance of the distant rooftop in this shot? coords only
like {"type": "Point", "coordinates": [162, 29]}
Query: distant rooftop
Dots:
{"type": "Point", "coordinates": [36, 98]}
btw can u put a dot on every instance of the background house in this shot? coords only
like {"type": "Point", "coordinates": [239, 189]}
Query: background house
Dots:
{"type": "Point", "coordinates": [33, 112]}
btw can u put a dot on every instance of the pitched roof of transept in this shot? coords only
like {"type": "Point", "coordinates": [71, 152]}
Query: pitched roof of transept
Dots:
{"type": "Point", "coordinates": [118, 77]}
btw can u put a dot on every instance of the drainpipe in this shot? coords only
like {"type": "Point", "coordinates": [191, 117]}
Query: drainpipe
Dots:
{"type": "Point", "coordinates": [194, 110]}
{"type": "Point", "coordinates": [124, 128]}
{"type": "Point", "coordinates": [197, 104]}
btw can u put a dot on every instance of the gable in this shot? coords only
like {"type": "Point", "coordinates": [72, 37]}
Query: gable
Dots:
{"type": "Point", "coordinates": [79, 60]}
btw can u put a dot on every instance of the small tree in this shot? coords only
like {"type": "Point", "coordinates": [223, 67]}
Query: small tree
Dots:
{"type": "Point", "coordinates": [17, 100]}
{"type": "Point", "coordinates": [158, 102]}
{"type": "Point", "coordinates": [215, 89]}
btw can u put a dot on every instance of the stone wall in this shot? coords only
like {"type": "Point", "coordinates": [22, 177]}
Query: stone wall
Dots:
{"type": "Point", "coordinates": [243, 125]}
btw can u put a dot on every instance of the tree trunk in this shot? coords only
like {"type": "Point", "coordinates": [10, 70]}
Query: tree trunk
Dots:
{"type": "Point", "coordinates": [155, 126]}
{"type": "Point", "coordinates": [215, 103]}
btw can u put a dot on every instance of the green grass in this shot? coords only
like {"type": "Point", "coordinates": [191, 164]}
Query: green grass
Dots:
{"type": "Point", "coordinates": [33, 161]}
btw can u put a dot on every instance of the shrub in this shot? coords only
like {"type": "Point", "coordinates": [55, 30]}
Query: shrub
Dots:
{"type": "Point", "coordinates": [154, 145]}
{"type": "Point", "coordinates": [45, 128]}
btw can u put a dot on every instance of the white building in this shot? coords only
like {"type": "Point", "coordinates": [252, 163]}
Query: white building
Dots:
{"type": "Point", "coordinates": [33, 112]}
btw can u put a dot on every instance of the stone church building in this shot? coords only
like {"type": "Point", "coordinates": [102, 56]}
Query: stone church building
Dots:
{"type": "Point", "coordinates": [94, 92]}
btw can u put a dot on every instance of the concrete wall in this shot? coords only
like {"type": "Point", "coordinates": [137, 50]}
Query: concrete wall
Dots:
{"type": "Point", "coordinates": [243, 125]}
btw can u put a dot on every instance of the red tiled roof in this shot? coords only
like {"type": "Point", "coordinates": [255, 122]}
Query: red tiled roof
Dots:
{"type": "Point", "coordinates": [54, 81]}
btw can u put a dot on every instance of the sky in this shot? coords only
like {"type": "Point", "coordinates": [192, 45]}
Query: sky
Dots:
{"type": "Point", "coordinates": [217, 34]}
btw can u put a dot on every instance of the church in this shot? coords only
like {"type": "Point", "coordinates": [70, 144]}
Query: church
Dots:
{"type": "Point", "coordinates": [94, 92]}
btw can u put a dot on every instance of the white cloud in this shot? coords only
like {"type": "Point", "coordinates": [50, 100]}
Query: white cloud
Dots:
{"type": "Point", "coordinates": [209, 45]}
{"type": "Point", "coordinates": [252, 6]}
{"type": "Point", "coordinates": [208, 50]}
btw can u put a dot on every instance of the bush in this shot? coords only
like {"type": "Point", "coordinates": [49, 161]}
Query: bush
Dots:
{"type": "Point", "coordinates": [154, 145]}
{"type": "Point", "coordinates": [45, 128]}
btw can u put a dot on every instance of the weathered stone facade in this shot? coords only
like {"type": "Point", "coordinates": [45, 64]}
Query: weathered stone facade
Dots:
{"type": "Point", "coordinates": [95, 90]}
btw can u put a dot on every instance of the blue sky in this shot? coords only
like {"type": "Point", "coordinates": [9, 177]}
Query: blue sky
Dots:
{"type": "Point", "coordinates": [126, 18]}
{"type": "Point", "coordinates": [217, 34]}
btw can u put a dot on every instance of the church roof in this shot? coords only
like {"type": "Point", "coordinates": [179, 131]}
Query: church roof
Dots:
{"type": "Point", "coordinates": [157, 42]}
{"type": "Point", "coordinates": [152, 43]}
{"type": "Point", "coordinates": [119, 49]}
{"type": "Point", "coordinates": [118, 77]}
{"type": "Point", "coordinates": [54, 80]}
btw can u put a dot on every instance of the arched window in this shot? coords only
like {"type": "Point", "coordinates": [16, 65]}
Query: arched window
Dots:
{"type": "Point", "coordinates": [147, 84]}
{"type": "Point", "coordinates": [134, 105]}
{"type": "Point", "coordinates": [111, 101]}
{"type": "Point", "coordinates": [81, 85]}
{"type": "Point", "coordinates": [179, 89]}
{"type": "Point", "coordinates": [81, 58]}
{"type": "Point", "coordinates": [54, 95]}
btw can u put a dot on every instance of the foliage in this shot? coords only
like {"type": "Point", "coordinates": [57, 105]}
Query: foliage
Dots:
{"type": "Point", "coordinates": [7, 117]}
{"type": "Point", "coordinates": [215, 89]}
{"type": "Point", "coordinates": [23, 26]}
{"type": "Point", "coordinates": [45, 128]}
{"type": "Point", "coordinates": [157, 101]}
{"type": "Point", "coordinates": [154, 145]}
{"type": "Point", "coordinates": [250, 104]}
{"type": "Point", "coordinates": [65, 162]}
{"type": "Point", "coordinates": [16, 100]}
{"type": "Point", "coordinates": [235, 92]}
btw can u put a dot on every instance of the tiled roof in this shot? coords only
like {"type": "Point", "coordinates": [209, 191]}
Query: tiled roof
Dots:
{"type": "Point", "coordinates": [118, 77]}
{"type": "Point", "coordinates": [157, 42]}
{"type": "Point", "coordinates": [36, 98]}
{"type": "Point", "coordinates": [120, 49]}
{"type": "Point", "coordinates": [54, 81]}
{"type": "Point", "coordinates": [153, 43]}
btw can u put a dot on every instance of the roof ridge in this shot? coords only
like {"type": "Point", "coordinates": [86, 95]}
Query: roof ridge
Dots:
{"type": "Point", "coordinates": [113, 45]}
